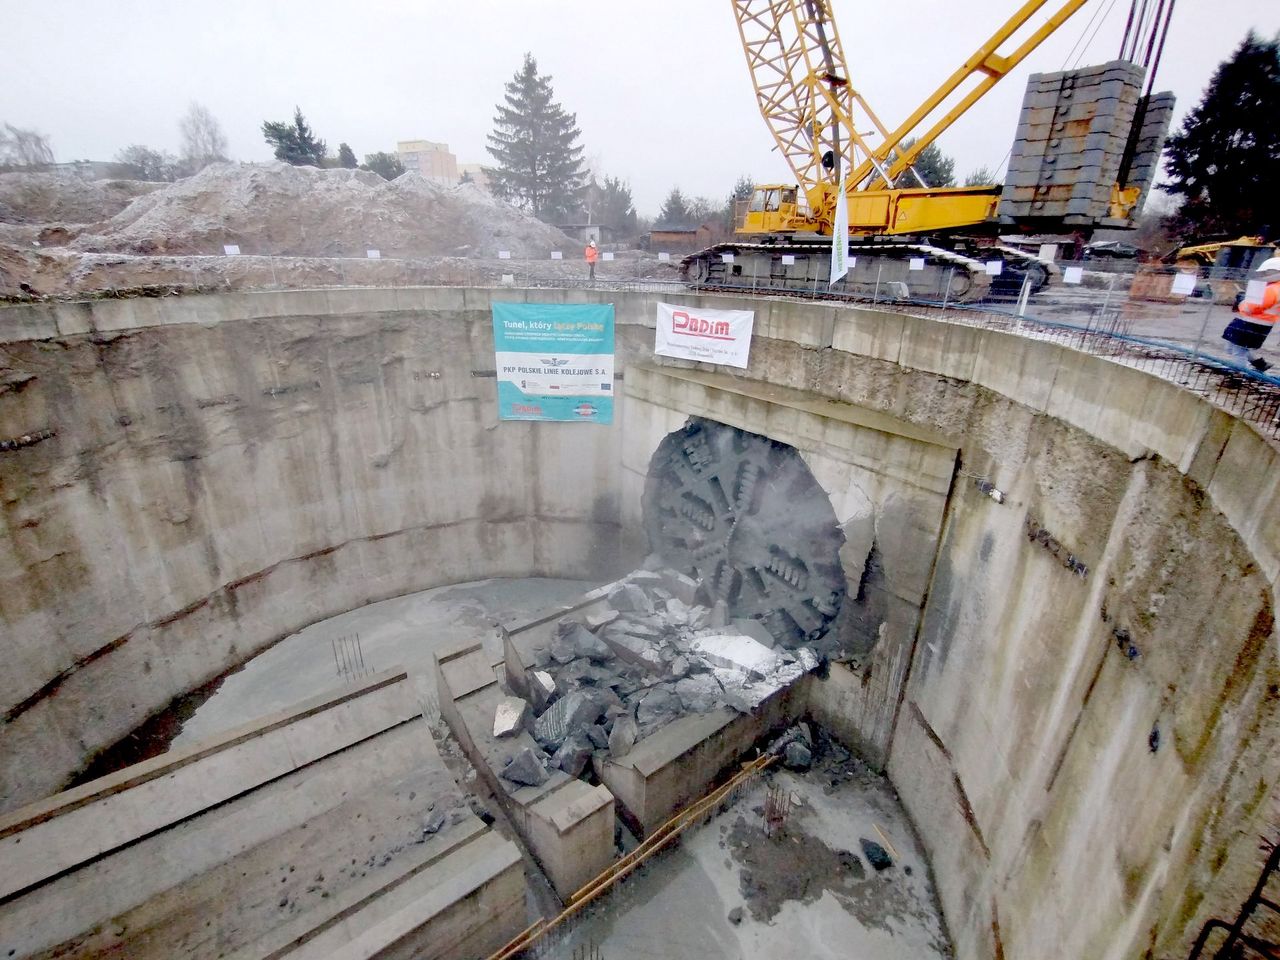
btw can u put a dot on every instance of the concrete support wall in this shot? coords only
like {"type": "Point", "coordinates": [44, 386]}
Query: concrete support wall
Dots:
{"type": "Point", "coordinates": [1085, 733]}
{"type": "Point", "coordinates": [227, 470]}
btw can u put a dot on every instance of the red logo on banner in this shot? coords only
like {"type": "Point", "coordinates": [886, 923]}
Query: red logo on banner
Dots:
{"type": "Point", "coordinates": [690, 326]}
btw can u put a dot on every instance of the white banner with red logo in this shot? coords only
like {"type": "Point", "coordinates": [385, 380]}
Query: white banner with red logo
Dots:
{"type": "Point", "coordinates": [697, 333]}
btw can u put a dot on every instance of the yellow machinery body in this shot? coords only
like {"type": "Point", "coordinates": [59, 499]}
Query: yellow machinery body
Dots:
{"type": "Point", "coordinates": [823, 126]}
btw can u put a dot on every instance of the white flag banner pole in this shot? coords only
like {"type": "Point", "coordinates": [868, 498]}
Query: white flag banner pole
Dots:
{"type": "Point", "coordinates": [840, 235]}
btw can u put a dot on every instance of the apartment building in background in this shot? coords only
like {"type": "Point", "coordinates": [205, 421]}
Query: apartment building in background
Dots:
{"type": "Point", "coordinates": [431, 160]}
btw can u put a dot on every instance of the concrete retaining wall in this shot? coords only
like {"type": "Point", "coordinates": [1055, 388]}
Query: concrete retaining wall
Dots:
{"type": "Point", "coordinates": [1086, 729]}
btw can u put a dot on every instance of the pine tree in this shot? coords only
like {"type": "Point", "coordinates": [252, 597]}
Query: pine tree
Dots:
{"type": "Point", "coordinates": [1225, 160]}
{"type": "Point", "coordinates": [536, 145]}
{"type": "Point", "coordinates": [294, 142]}
{"type": "Point", "coordinates": [616, 207]}
{"type": "Point", "coordinates": [346, 157]}
{"type": "Point", "coordinates": [675, 210]}
{"type": "Point", "coordinates": [935, 167]}
{"type": "Point", "coordinates": [743, 188]}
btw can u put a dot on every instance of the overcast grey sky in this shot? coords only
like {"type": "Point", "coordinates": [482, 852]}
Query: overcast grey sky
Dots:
{"type": "Point", "coordinates": [660, 87]}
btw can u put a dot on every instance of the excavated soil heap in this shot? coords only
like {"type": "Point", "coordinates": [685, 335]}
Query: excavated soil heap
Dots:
{"type": "Point", "coordinates": [274, 208]}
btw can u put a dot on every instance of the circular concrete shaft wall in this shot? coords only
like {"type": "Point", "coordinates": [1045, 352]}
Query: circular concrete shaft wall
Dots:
{"type": "Point", "coordinates": [744, 515]}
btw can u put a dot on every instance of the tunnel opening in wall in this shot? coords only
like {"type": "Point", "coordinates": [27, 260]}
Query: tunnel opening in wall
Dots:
{"type": "Point", "coordinates": [745, 516]}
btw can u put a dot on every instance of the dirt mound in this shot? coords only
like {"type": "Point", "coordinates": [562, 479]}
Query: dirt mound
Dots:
{"type": "Point", "coordinates": [274, 208]}
{"type": "Point", "coordinates": [65, 198]}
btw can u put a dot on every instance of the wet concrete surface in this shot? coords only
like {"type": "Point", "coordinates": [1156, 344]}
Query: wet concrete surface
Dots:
{"type": "Point", "coordinates": [404, 631]}
{"type": "Point", "coordinates": [728, 890]}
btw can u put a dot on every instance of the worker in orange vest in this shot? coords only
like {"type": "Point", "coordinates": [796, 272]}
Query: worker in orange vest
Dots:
{"type": "Point", "coordinates": [1248, 330]}
{"type": "Point", "coordinates": [592, 255]}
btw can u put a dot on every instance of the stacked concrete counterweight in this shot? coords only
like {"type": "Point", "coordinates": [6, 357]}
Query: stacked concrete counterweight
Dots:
{"type": "Point", "coordinates": [1072, 136]}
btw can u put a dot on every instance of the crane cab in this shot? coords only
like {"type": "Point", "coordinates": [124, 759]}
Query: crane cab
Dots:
{"type": "Point", "coordinates": [773, 208]}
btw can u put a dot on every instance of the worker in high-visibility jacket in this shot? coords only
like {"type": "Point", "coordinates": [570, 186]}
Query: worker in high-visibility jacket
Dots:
{"type": "Point", "coordinates": [591, 254]}
{"type": "Point", "coordinates": [1248, 329]}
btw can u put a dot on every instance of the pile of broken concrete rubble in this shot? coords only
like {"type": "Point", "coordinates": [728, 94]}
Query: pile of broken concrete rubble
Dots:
{"type": "Point", "coordinates": [651, 649]}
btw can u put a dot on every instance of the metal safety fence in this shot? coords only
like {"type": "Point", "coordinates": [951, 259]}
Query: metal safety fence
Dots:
{"type": "Point", "coordinates": [1166, 321]}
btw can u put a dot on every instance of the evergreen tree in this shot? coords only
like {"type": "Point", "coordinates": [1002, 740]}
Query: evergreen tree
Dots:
{"type": "Point", "coordinates": [536, 145]}
{"type": "Point", "coordinates": [385, 165]}
{"type": "Point", "coordinates": [937, 169]}
{"type": "Point", "coordinates": [982, 177]}
{"type": "Point", "coordinates": [294, 142]}
{"type": "Point", "coordinates": [675, 210]}
{"type": "Point", "coordinates": [616, 208]}
{"type": "Point", "coordinates": [346, 157]}
{"type": "Point", "coordinates": [1225, 160]}
{"type": "Point", "coordinates": [743, 188]}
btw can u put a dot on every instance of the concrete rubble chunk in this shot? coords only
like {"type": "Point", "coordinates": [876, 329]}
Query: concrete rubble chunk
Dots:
{"type": "Point", "coordinates": [642, 652]}
{"type": "Point", "coordinates": [681, 586]}
{"type": "Point", "coordinates": [629, 598]}
{"type": "Point", "coordinates": [567, 715]}
{"type": "Point", "coordinates": [596, 734]}
{"type": "Point", "coordinates": [601, 618]}
{"type": "Point", "coordinates": [797, 756]}
{"type": "Point", "coordinates": [433, 823]}
{"type": "Point", "coordinates": [584, 642]}
{"type": "Point", "coordinates": [656, 705]}
{"type": "Point", "coordinates": [679, 666]}
{"type": "Point", "coordinates": [510, 716]}
{"type": "Point", "coordinates": [526, 768]}
{"type": "Point", "coordinates": [574, 754]}
{"type": "Point", "coordinates": [700, 694]}
{"type": "Point", "coordinates": [623, 736]}
{"type": "Point", "coordinates": [876, 855]}
{"type": "Point", "coordinates": [738, 652]}
{"type": "Point", "coordinates": [542, 689]}
{"type": "Point", "coordinates": [562, 649]}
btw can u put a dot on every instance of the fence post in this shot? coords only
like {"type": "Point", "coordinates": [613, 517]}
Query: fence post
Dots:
{"type": "Point", "coordinates": [947, 296]}
{"type": "Point", "coordinates": [875, 297]}
{"type": "Point", "coordinates": [1023, 296]}
{"type": "Point", "coordinates": [1208, 309]}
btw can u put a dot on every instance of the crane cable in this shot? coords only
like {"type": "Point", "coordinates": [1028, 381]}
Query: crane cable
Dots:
{"type": "Point", "coordinates": [1094, 35]}
{"type": "Point", "coordinates": [1096, 11]}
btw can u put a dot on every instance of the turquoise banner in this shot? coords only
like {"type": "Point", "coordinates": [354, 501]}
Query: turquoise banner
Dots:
{"type": "Point", "coordinates": [554, 361]}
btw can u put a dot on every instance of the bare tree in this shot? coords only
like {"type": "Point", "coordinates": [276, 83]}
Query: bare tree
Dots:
{"type": "Point", "coordinates": [203, 141]}
{"type": "Point", "coordinates": [150, 164]}
{"type": "Point", "coordinates": [20, 147]}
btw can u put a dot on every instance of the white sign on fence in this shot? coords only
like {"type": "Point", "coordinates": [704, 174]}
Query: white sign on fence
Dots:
{"type": "Point", "coordinates": [508, 278]}
{"type": "Point", "coordinates": [917, 263]}
{"type": "Point", "coordinates": [373, 254]}
{"type": "Point", "coordinates": [788, 259]}
{"type": "Point", "coordinates": [664, 257]}
{"type": "Point", "coordinates": [726, 258]}
{"type": "Point", "coordinates": [1073, 275]}
{"type": "Point", "coordinates": [994, 268]}
{"type": "Point", "coordinates": [1184, 284]}
{"type": "Point", "coordinates": [607, 255]}
{"type": "Point", "coordinates": [557, 255]}
{"type": "Point", "coordinates": [504, 254]}
{"type": "Point", "coordinates": [1048, 252]}
{"type": "Point", "coordinates": [231, 249]}
{"type": "Point", "coordinates": [712, 336]}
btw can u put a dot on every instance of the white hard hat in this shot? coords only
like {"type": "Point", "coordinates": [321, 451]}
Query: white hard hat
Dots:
{"type": "Point", "coordinates": [1272, 264]}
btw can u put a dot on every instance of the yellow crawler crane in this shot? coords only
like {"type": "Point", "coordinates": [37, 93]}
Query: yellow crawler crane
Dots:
{"type": "Point", "coordinates": [824, 127]}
